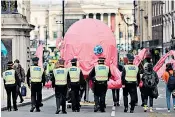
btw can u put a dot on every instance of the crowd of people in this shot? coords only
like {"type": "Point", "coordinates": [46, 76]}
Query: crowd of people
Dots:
{"type": "Point", "coordinates": [71, 80]}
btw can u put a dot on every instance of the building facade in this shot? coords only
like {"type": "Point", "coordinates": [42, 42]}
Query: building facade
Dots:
{"type": "Point", "coordinates": [108, 12]}
{"type": "Point", "coordinates": [143, 22]}
{"type": "Point", "coordinates": [15, 31]}
{"type": "Point", "coordinates": [155, 21]}
{"type": "Point", "coordinates": [168, 24]}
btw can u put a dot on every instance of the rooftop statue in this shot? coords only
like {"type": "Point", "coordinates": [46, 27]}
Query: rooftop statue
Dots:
{"type": "Point", "coordinates": [8, 6]}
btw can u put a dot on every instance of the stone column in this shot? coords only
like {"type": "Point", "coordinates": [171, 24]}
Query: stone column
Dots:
{"type": "Point", "coordinates": [109, 19]}
{"type": "Point", "coordinates": [102, 16]}
{"type": "Point", "coordinates": [94, 15]}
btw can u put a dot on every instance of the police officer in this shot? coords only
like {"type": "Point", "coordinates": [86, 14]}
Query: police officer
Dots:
{"type": "Point", "coordinates": [36, 76]}
{"type": "Point", "coordinates": [59, 82]}
{"type": "Point", "coordinates": [130, 81]}
{"type": "Point", "coordinates": [100, 74]}
{"type": "Point", "coordinates": [11, 80]}
{"type": "Point", "coordinates": [76, 81]}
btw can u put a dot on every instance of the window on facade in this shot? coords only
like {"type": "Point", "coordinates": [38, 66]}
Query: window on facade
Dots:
{"type": "Point", "coordinates": [36, 20]}
{"type": "Point", "coordinates": [54, 35]}
{"type": "Point", "coordinates": [121, 34]}
{"type": "Point", "coordinates": [158, 7]}
{"type": "Point", "coordinates": [168, 6]}
{"type": "Point", "coordinates": [172, 5]}
{"type": "Point", "coordinates": [130, 35]}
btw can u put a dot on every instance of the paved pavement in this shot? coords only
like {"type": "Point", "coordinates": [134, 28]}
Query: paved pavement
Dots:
{"type": "Point", "coordinates": [46, 94]}
{"type": "Point", "coordinates": [86, 111]}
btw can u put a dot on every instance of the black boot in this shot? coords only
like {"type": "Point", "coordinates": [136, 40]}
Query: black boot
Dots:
{"type": "Point", "coordinates": [41, 104]}
{"type": "Point", "coordinates": [96, 108]}
{"type": "Point", "coordinates": [102, 110]}
{"type": "Point", "coordinates": [58, 105]}
{"type": "Point", "coordinates": [38, 110]}
{"type": "Point", "coordinates": [126, 109]}
{"type": "Point", "coordinates": [15, 109]}
{"type": "Point", "coordinates": [22, 100]}
{"type": "Point", "coordinates": [132, 109]}
{"type": "Point", "coordinates": [9, 109]}
{"type": "Point", "coordinates": [64, 112]}
{"type": "Point", "coordinates": [32, 109]}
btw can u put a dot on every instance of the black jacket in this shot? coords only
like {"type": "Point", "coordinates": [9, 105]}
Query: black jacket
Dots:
{"type": "Point", "coordinates": [17, 81]}
{"type": "Point", "coordinates": [28, 78]}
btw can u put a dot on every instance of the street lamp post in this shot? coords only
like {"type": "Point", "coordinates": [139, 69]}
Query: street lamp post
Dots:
{"type": "Point", "coordinates": [141, 26]}
{"type": "Point", "coordinates": [119, 42]}
{"type": "Point", "coordinates": [162, 23]}
{"type": "Point", "coordinates": [46, 35]}
{"type": "Point", "coordinates": [128, 31]}
{"type": "Point", "coordinates": [125, 38]}
{"type": "Point", "coordinates": [63, 16]}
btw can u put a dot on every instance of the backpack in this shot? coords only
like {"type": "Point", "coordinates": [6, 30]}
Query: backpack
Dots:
{"type": "Point", "coordinates": [171, 82]}
{"type": "Point", "coordinates": [149, 80]}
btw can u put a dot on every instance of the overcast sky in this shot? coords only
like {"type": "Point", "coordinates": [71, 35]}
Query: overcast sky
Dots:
{"type": "Point", "coordinates": [60, 1]}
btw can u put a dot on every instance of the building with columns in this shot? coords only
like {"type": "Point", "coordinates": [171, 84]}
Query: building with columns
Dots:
{"type": "Point", "coordinates": [169, 24]}
{"type": "Point", "coordinates": [50, 15]}
{"type": "Point", "coordinates": [15, 31]}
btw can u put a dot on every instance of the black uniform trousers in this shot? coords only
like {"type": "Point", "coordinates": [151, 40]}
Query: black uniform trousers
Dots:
{"type": "Point", "coordinates": [60, 95]}
{"type": "Point", "coordinates": [100, 89]}
{"type": "Point", "coordinates": [116, 95]}
{"type": "Point", "coordinates": [36, 94]}
{"type": "Point", "coordinates": [75, 96]}
{"type": "Point", "coordinates": [11, 90]}
{"type": "Point", "coordinates": [131, 89]}
{"type": "Point", "coordinates": [18, 93]}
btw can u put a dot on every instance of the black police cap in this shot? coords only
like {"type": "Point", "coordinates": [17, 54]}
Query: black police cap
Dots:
{"type": "Point", "coordinates": [130, 57]}
{"type": "Point", "coordinates": [10, 63]}
{"type": "Point", "coordinates": [61, 61]}
{"type": "Point", "coordinates": [74, 60]}
{"type": "Point", "coordinates": [101, 58]}
{"type": "Point", "coordinates": [35, 59]}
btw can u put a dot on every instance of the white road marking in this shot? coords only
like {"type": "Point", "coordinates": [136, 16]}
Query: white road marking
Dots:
{"type": "Point", "coordinates": [113, 111]}
{"type": "Point", "coordinates": [160, 108]}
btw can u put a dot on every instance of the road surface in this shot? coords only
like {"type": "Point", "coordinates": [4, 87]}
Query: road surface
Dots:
{"type": "Point", "coordinates": [49, 109]}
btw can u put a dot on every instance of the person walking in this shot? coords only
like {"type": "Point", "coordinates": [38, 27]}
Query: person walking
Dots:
{"type": "Point", "coordinates": [130, 81]}
{"type": "Point", "coordinates": [116, 92]}
{"type": "Point", "coordinates": [11, 80]}
{"type": "Point", "coordinates": [76, 81]}
{"type": "Point", "coordinates": [21, 73]}
{"type": "Point", "coordinates": [150, 82]}
{"type": "Point", "coordinates": [169, 79]}
{"type": "Point", "coordinates": [36, 76]}
{"type": "Point", "coordinates": [59, 83]}
{"type": "Point", "coordinates": [100, 74]}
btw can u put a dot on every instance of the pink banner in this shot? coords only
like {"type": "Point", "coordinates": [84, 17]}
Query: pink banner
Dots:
{"type": "Point", "coordinates": [163, 68]}
{"type": "Point", "coordinates": [162, 60]}
{"type": "Point", "coordinates": [138, 58]}
{"type": "Point", "coordinates": [39, 54]}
